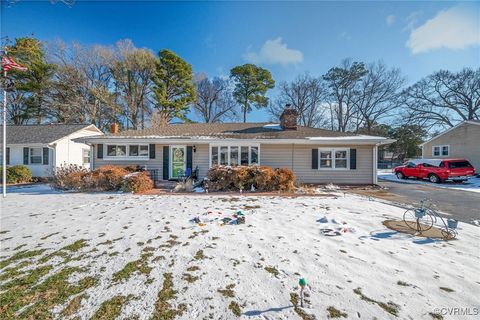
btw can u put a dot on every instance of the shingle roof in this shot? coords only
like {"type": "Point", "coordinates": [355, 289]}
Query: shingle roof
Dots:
{"type": "Point", "coordinates": [39, 133]}
{"type": "Point", "coordinates": [231, 130]}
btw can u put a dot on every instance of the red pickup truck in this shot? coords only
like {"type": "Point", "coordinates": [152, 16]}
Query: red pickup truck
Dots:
{"type": "Point", "coordinates": [436, 170]}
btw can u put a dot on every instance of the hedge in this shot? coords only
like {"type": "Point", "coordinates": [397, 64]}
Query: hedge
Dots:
{"type": "Point", "coordinates": [17, 174]}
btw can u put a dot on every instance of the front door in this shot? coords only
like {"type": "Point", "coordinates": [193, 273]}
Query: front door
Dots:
{"type": "Point", "coordinates": [178, 162]}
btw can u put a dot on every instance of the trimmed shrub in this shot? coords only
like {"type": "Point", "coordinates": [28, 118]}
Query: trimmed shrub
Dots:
{"type": "Point", "coordinates": [17, 174]}
{"type": "Point", "coordinates": [106, 178]}
{"type": "Point", "coordinates": [262, 178]}
{"type": "Point", "coordinates": [137, 182]}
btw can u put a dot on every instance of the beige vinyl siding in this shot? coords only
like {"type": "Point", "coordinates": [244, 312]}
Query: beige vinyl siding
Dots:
{"type": "Point", "coordinates": [201, 159]}
{"type": "Point", "coordinates": [463, 142]}
{"type": "Point", "coordinates": [151, 164]}
{"type": "Point", "coordinates": [299, 159]}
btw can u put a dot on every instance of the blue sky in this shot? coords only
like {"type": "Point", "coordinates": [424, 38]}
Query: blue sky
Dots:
{"type": "Point", "coordinates": [288, 38]}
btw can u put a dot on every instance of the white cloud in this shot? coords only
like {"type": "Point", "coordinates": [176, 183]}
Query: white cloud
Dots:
{"type": "Point", "coordinates": [390, 20]}
{"type": "Point", "coordinates": [412, 20]}
{"type": "Point", "coordinates": [274, 52]}
{"type": "Point", "coordinates": [454, 28]}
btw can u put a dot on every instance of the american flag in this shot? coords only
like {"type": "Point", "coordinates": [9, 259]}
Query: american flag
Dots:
{"type": "Point", "coordinates": [8, 64]}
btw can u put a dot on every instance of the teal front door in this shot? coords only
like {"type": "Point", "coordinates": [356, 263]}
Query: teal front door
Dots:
{"type": "Point", "coordinates": [178, 162]}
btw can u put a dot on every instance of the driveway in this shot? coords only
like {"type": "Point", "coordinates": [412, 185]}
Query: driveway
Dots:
{"type": "Point", "coordinates": [460, 205]}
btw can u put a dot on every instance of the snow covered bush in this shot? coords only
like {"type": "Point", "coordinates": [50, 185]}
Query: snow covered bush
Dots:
{"type": "Point", "coordinates": [106, 178]}
{"type": "Point", "coordinates": [262, 178]}
{"type": "Point", "coordinates": [137, 182]}
{"type": "Point", "coordinates": [69, 177]}
{"type": "Point", "coordinates": [17, 174]}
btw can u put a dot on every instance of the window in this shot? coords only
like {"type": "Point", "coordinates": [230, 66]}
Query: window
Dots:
{"type": "Point", "coordinates": [86, 156]}
{"type": "Point", "coordinates": [334, 158]}
{"type": "Point", "coordinates": [36, 155]}
{"type": "Point", "coordinates": [459, 164]}
{"type": "Point", "coordinates": [234, 155]}
{"type": "Point", "coordinates": [438, 151]}
{"type": "Point", "coordinates": [133, 150]}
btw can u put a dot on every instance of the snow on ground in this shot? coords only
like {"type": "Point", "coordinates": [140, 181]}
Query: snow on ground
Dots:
{"type": "Point", "coordinates": [260, 262]}
{"type": "Point", "coordinates": [472, 185]}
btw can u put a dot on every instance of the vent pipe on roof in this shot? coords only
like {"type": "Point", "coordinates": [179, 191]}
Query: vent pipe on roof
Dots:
{"type": "Point", "coordinates": [288, 118]}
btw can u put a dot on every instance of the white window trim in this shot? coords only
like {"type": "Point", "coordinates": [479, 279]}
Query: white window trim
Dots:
{"type": "Point", "coordinates": [440, 150]}
{"type": "Point", "coordinates": [89, 156]}
{"type": "Point", "coordinates": [333, 150]}
{"type": "Point", "coordinates": [170, 159]}
{"type": "Point", "coordinates": [229, 145]}
{"type": "Point", "coordinates": [30, 156]}
{"type": "Point", "coordinates": [127, 156]}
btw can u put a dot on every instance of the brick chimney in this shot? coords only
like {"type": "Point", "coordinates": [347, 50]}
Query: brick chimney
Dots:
{"type": "Point", "coordinates": [114, 128]}
{"type": "Point", "coordinates": [288, 118]}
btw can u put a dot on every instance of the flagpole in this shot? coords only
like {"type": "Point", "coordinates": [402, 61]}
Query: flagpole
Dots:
{"type": "Point", "coordinates": [4, 152]}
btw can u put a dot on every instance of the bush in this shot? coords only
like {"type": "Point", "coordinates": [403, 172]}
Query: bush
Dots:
{"type": "Point", "coordinates": [263, 178]}
{"type": "Point", "coordinates": [137, 182]}
{"type": "Point", "coordinates": [17, 174]}
{"type": "Point", "coordinates": [106, 178]}
{"type": "Point", "coordinates": [69, 177]}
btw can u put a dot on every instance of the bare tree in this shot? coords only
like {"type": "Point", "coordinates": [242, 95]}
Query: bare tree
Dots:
{"type": "Point", "coordinates": [214, 101]}
{"type": "Point", "coordinates": [83, 89]}
{"type": "Point", "coordinates": [307, 96]}
{"type": "Point", "coordinates": [377, 94]}
{"type": "Point", "coordinates": [343, 82]}
{"type": "Point", "coordinates": [444, 98]}
{"type": "Point", "coordinates": [132, 70]}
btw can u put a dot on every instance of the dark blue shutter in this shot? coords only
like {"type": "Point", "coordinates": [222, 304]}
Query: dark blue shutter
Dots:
{"type": "Point", "coordinates": [166, 154]}
{"type": "Point", "coordinates": [314, 158]}
{"type": "Point", "coordinates": [100, 151]}
{"type": "Point", "coordinates": [151, 148]}
{"type": "Point", "coordinates": [8, 156]}
{"type": "Point", "coordinates": [25, 155]}
{"type": "Point", "coordinates": [353, 159]}
{"type": "Point", "coordinates": [190, 158]}
{"type": "Point", "coordinates": [45, 155]}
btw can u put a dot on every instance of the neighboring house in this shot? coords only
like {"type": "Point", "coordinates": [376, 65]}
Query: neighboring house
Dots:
{"type": "Point", "coordinates": [46, 146]}
{"type": "Point", "coordinates": [315, 155]}
{"type": "Point", "coordinates": [461, 141]}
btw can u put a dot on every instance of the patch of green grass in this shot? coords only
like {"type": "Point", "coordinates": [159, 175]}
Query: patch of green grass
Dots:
{"type": "Point", "coordinates": [137, 266]}
{"type": "Point", "coordinates": [272, 270]}
{"type": "Point", "coordinates": [48, 236]}
{"type": "Point", "coordinates": [20, 256]}
{"type": "Point", "coordinates": [12, 272]}
{"type": "Point", "coordinates": [190, 278]}
{"type": "Point", "coordinates": [77, 245]}
{"type": "Point", "coordinates": [436, 316]}
{"type": "Point", "coordinates": [19, 247]}
{"type": "Point", "coordinates": [111, 308]}
{"type": "Point", "coordinates": [447, 289]}
{"type": "Point", "coordinates": [403, 284]}
{"type": "Point", "coordinates": [389, 307]}
{"type": "Point", "coordinates": [193, 268]}
{"type": "Point", "coordinates": [199, 255]}
{"type": "Point", "coordinates": [294, 299]}
{"type": "Point", "coordinates": [171, 242]}
{"type": "Point", "coordinates": [163, 310]}
{"type": "Point", "coordinates": [4, 231]}
{"type": "Point", "coordinates": [235, 308]}
{"type": "Point", "coordinates": [73, 306]}
{"type": "Point", "coordinates": [343, 251]}
{"type": "Point", "coordinates": [335, 313]}
{"type": "Point", "coordinates": [228, 292]}
{"type": "Point", "coordinates": [36, 299]}
{"type": "Point", "coordinates": [247, 207]}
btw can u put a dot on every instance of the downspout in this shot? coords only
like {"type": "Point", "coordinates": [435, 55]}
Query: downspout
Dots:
{"type": "Point", "coordinates": [53, 147]}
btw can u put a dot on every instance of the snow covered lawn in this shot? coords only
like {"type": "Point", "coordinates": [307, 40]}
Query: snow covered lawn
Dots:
{"type": "Point", "coordinates": [472, 185]}
{"type": "Point", "coordinates": [109, 255]}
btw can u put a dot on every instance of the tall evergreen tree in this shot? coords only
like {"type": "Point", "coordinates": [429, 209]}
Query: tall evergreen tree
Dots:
{"type": "Point", "coordinates": [173, 89]}
{"type": "Point", "coordinates": [251, 85]}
